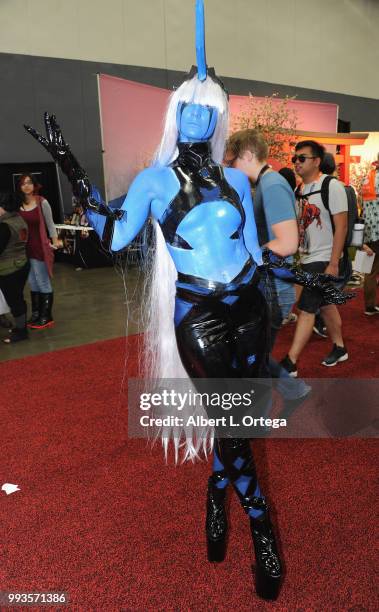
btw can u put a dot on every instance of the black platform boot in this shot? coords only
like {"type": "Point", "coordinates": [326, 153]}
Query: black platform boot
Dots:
{"type": "Point", "coordinates": [237, 459]}
{"type": "Point", "coordinates": [268, 569]}
{"type": "Point", "coordinates": [45, 317]}
{"type": "Point", "coordinates": [35, 299]}
{"type": "Point", "coordinates": [216, 524]}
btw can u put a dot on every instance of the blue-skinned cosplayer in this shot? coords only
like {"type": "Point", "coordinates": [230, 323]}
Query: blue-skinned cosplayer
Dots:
{"type": "Point", "coordinates": [206, 261]}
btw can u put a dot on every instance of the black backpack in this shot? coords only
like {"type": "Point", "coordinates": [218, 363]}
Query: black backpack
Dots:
{"type": "Point", "coordinates": [352, 212]}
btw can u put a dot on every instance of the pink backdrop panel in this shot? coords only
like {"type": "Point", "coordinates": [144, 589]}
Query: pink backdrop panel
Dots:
{"type": "Point", "coordinates": [132, 117]}
{"type": "Point", "coordinates": [312, 116]}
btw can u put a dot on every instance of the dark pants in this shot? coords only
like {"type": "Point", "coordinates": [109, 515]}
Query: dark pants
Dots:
{"type": "Point", "coordinates": [12, 286]}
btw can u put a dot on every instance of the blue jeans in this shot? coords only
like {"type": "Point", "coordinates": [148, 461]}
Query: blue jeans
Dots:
{"type": "Point", "coordinates": [289, 388]}
{"type": "Point", "coordinates": [39, 279]}
{"type": "Point", "coordinates": [286, 299]}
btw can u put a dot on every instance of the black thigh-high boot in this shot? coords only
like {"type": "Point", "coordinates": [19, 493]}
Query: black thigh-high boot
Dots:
{"type": "Point", "coordinates": [236, 457]}
{"type": "Point", "coordinates": [216, 523]}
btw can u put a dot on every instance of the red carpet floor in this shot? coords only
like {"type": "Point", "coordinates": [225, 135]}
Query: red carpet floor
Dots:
{"type": "Point", "coordinates": [103, 518]}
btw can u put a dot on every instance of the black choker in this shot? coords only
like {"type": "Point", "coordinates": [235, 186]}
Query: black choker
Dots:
{"type": "Point", "coordinates": [194, 154]}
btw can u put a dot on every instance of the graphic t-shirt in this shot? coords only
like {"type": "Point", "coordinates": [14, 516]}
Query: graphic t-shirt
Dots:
{"type": "Point", "coordinates": [316, 231]}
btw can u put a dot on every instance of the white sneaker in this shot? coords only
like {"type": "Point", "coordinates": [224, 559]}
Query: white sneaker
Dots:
{"type": "Point", "coordinates": [371, 310]}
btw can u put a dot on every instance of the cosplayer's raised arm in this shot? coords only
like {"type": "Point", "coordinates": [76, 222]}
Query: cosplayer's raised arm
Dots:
{"type": "Point", "coordinates": [118, 233]}
{"type": "Point", "coordinates": [116, 228]}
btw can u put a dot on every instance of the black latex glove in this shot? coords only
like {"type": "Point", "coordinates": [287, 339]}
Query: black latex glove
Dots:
{"type": "Point", "coordinates": [312, 280]}
{"type": "Point", "coordinates": [60, 151]}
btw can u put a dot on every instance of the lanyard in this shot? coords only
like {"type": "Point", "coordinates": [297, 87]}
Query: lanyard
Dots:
{"type": "Point", "coordinates": [266, 167]}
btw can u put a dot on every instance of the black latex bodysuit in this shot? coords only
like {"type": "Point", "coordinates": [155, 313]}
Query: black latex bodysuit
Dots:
{"type": "Point", "coordinates": [221, 328]}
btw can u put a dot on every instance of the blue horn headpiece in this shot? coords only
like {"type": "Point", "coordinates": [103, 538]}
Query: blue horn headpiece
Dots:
{"type": "Point", "coordinates": [202, 69]}
{"type": "Point", "coordinates": [200, 41]}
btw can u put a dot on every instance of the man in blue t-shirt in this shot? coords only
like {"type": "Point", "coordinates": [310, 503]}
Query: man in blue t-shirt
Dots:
{"type": "Point", "coordinates": [275, 217]}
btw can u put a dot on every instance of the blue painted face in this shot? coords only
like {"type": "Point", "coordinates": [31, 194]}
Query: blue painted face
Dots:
{"type": "Point", "coordinates": [195, 122]}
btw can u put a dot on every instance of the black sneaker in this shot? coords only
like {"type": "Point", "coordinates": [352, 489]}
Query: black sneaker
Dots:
{"type": "Point", "coordinates": [339, 353]}
{"type": "Point", "coordinates": [291, 368]}
{"type": "Point", "coordinates": [319, 327]}
{"type": "Point", "coordinates": [16, 335]}
{"type": "Point", "coordinates": [371, 310]}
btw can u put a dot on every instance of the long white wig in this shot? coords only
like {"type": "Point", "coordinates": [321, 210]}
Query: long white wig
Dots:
{"type": "Point", "coordinates": [161, 350]}
{"type": "Point", "coordinates": [208, 93]}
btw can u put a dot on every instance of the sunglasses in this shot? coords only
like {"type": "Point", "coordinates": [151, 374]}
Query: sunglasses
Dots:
{"type": "Point", "coordinates": [301, 158]}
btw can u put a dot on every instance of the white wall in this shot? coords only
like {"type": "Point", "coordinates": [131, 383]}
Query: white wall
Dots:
{"type": "Point", "coordinates": [330, 45]}
{"type": "Point", "coordinates": [370, 150]}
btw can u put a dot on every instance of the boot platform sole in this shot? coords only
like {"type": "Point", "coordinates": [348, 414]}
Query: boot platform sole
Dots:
{"type": "Point", "coordinates": [216, 550]}
{"type": "Point", "coordinates": [35, 326]}
{"type": "Point", "coordinates": [266, 587]}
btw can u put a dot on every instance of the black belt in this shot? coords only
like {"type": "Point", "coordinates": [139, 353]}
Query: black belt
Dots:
{"type": "Point", "coordinates": [221, 290]}
{"type": "Point", "coordinates": [215, 286]}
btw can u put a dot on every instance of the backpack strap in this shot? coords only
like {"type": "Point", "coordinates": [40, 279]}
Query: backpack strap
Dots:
{"type": "Point", "coordinates": [325, 200]}
{"type": "Point", "coordinates": [325, 193]}
{"type": "Point", "coordinates": [299, 195]}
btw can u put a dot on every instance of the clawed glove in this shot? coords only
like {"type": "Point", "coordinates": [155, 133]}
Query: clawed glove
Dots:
{"type": "Point", "coordinates": [60, 151]}
{"type": "Point", "coordinates": [312, 280]}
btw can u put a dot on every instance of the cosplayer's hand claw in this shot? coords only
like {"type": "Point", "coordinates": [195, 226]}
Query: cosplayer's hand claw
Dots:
{"type": "Point", "coordinates": [54, 133]}
{"type": "Point", "coordinates": [54, 142]}
{"type": "Point", "coordinates": [322, 282]}
{"type": "Point", "coordinates": [37, 136]}
{"type": "Point", "coordinates": [46, 117]}
{"type": "Point", "coordinates": [60, 151]}
{"type": "Point", "coordinates": [335, 296]}
{"type": "Point", "coordinates": [59, 141]}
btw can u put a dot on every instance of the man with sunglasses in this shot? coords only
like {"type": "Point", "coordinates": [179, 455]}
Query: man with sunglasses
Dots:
{"type": "Point", "coordinates": [321, 249]}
